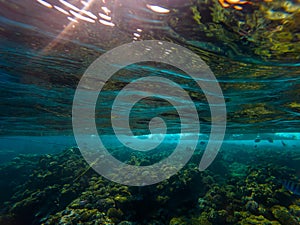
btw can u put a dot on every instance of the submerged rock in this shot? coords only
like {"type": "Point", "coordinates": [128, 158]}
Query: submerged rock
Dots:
{"type": "Point", "coordinates": [252, 206]}
{"type": "Point", "coordinates": [257, 220]}
{"type": "Point", "coordinates": [283, 215]}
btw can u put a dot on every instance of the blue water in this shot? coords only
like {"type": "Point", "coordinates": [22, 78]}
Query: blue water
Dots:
{"type": "Point", "coordinates": [11, 146]}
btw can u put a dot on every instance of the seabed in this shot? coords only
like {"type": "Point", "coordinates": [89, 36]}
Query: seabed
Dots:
{"type": "Point", "coordinates": [242, 186]}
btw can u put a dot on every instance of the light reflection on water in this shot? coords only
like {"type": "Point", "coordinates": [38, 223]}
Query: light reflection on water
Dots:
{"type": "Point", "coordinates": [42, 60]}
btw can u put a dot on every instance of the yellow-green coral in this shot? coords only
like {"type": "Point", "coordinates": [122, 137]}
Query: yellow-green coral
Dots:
{"type": "Point", "coordinates": [178, 221]}
{"type": "Point", "coordinates": [257, 220]}
{"type": "Point", "coordinates": [202, 219]}
{"type": "Point", "coordinates": [196, 14]}
{"type": "Point", "coordinates": [283, 215]}
{"type": "Point", "coordinates": [295, 210]}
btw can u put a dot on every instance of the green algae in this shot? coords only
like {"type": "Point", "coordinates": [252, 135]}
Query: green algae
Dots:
{"type": "Point", "coordinates": [283, 215]}
{"type": "Point", "coordinates": [257, 220]}
{"type": "Point", "coordinates": [266, 30]}
{"type": "Point", "coordinates": [196, 14]}
{"type": "Point", "coordinates": [202, 219]}
{"type": "Point", "coordinates": [178, 221]}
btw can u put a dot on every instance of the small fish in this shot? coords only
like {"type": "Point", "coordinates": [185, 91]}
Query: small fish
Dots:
{"type": "Point", "coordinates": [270, 139]}
{"type": "Point", "coordinates": [284, 144]}
{"type": "Point", "coordinates": [292, 186]}
{"type": "Point", "coordinates": [257, 140]}
{"type": "Point", "coordinates": [83, 202]}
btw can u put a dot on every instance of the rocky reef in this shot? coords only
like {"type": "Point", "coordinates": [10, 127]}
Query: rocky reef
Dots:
{"type": "Point", "coordinates": [63, 189]}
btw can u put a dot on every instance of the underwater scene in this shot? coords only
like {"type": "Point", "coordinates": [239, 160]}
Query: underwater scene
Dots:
{"type": "Point", "coordinates": [150, 112]}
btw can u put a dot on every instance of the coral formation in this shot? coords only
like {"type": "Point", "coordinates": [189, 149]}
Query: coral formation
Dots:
{"type": "Point", "coordinates": [61, 189]}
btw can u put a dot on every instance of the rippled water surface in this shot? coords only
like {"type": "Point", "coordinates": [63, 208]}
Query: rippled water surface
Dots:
{"type": "Point", "coordinates": [46, 47]}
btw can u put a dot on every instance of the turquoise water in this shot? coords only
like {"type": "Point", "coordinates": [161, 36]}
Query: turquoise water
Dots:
{"type": "Point", "coordinates": [251, 47]}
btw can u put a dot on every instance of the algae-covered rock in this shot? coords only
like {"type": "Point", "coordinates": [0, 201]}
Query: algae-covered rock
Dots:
{"type": "Point", "coordinates": [252, 206]}
{"type": "Point", "coordinates": [202, 219]}
{"type": "Point", "coordinates": [178, 221]}
{"type": "Point", "coordinates": [121, 199]}
{"type": "Point", "coordinates": [257, 220]}
{"type": "Point", "coordinates": [283, 215]}
{"type": "Point", "coordinates": [77, 216]}
{"type": "Point", "coordinates": [125, 223]}
{"type": "Point", "coordinates": [115, 214]}
{"type": "Point", "coordinates": [295, 210]}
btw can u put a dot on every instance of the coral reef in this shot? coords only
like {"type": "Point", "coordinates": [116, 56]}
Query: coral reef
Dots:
{"type": "Point", "coordinates": [62, 189]}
